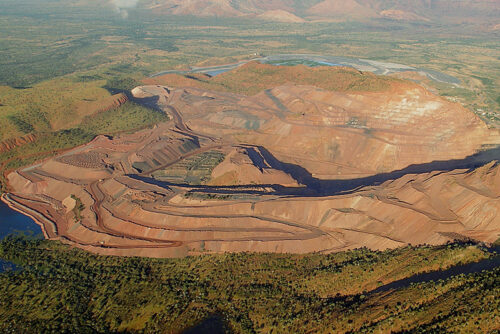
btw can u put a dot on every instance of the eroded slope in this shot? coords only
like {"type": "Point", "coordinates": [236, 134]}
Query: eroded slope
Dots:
{"type": "Point", "coordinates": [294, 168]}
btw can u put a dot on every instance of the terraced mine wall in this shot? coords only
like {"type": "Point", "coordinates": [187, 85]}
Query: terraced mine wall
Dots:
{"type": "Point", "coordinates": [407, 171]}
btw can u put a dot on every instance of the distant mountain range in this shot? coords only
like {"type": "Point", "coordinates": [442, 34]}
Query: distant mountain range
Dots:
{"type": "Point", "coordinates": [448, 11]}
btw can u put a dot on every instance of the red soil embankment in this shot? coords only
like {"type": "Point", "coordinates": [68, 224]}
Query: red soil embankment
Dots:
{"type": "Point", "coordinates": [12, 143]}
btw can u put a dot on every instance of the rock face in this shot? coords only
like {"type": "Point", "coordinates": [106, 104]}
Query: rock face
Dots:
{"type": "Point", "coordinates": [294, 168]}
{"type": "Point", "coordinates": [246, 165]}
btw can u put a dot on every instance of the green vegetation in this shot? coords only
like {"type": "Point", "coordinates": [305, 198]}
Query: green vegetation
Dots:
{"type": "Point", "coordinates": [79, 207]}
{"type": "Point", "coordinates": [48, 106]}
{"type": "Point", "coordinates": [208, 196]}
{"type": "Point", "coordinates": [129, 116]}
{"type": "Point", "coordinates": [254, 77]}
{"type": "Point", "coordinates": [121, 84]}
{"type": "Point", "coordinates": [20, 124]}
{"type": "Point", "coordinates": [192, 170]}
{"type": "Point", "coordinates": [46, 145]}
{"type": "Point", "coordinates": [59, 104]}
{"type": "Point", "coordinates": [62, 289]}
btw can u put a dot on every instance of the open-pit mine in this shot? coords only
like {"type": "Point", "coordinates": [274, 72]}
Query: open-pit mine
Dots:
{"type": "Point", "coordinates": [299, 167]}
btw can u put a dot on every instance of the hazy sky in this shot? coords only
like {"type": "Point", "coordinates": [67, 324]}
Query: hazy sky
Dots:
{"type": "Point", "coordinates": [125, 3]}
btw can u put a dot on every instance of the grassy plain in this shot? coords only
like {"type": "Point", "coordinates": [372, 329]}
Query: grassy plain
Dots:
{"type": "Point", "coordinates": [68, 290]}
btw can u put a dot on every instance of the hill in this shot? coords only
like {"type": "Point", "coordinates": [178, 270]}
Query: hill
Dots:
{"type": "Point", "coordinates": [61, 113]}
{"type": "Point", "coordinates": [280, 15]}
{"type": "Point", "coordinates": [254, 77]}
{"type": "Point", "coordinates": [437, 11]}
{"type": "Point", "coordinates": [226, 7]}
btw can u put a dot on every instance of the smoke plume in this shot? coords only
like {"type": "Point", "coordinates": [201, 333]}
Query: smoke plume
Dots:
{"type": "Point", "coordinates": [122, 6]}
